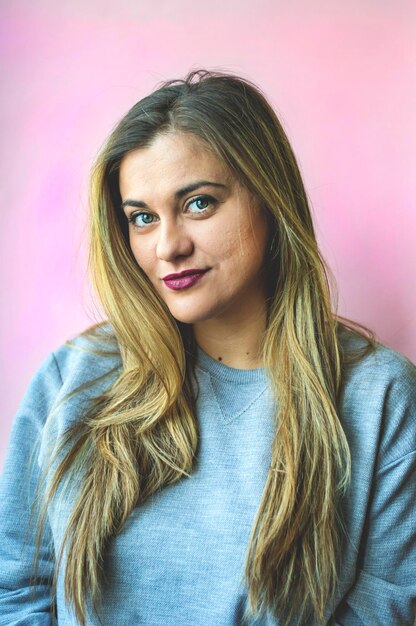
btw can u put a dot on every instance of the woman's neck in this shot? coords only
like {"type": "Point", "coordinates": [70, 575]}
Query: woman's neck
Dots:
{"type": "Point", "coordinates": [236, 343]}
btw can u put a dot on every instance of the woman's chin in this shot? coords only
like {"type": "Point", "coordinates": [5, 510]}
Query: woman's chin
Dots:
{"type": "Point", "coordinates": [193, 315]}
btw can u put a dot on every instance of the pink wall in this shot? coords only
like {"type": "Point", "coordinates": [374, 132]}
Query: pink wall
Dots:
{"type": "Point", "coordinates": [341, 75]}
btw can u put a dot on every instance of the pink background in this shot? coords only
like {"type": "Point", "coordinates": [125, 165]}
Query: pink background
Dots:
{"type": "Point", "coordinates": [341, 75]}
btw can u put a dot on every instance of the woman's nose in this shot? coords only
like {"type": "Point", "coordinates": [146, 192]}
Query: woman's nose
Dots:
{"type": "Point", "coordinates": [173, 241]}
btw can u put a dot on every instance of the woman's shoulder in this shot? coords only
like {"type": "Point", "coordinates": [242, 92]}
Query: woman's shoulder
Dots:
{"type": "Point", "coordinates": [77, 371]}
{"type": "Point", "coordinates": [90, 355]}
{"type": "Point", "coordinates": [378, 397]}
{"type": "Point", "coordinates": [83, 367]}
{"type": "Point", "coordinates": [380, 364]}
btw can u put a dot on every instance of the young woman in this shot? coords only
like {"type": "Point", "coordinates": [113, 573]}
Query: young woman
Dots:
{"type": "Point", "coordinates": [224, 449]}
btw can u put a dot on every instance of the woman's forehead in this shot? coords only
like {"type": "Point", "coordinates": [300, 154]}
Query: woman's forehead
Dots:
{"type": "Point", "coordinates": [170, 160]}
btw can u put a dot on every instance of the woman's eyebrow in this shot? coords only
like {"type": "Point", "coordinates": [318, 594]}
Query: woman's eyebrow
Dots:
{"type": "Point", "coordinates": [178, 194]}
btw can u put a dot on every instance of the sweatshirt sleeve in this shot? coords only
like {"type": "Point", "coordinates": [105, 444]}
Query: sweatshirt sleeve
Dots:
{"type": "Point", "coordinates": [20, 602]}
{"type": "Point", "coordinates": [385, 588]}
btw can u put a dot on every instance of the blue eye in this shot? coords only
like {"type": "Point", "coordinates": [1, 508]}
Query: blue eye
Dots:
{"type": "Point", "coordinates": [141, 224]}
{"type": "Point", "coordinates": [207, 200]}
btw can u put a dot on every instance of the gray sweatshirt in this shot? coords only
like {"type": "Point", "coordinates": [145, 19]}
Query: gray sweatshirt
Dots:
{"type": "Point", "coordinates": [179, 560]}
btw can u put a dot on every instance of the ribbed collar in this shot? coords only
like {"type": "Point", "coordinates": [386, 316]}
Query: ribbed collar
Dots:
{"type": "Point", "coordinates": [230, 374]}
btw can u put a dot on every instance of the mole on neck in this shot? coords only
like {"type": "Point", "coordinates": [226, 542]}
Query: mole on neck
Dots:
{"type": "Point", "coordinates": [235, 344]}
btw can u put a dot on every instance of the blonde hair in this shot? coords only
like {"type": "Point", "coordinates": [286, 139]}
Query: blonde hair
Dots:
{"type": "Point", "coordinates": [141, 434]}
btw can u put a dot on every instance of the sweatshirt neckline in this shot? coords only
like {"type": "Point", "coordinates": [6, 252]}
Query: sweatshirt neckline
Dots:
{"type": "Point", "coordinates": [229, 374]}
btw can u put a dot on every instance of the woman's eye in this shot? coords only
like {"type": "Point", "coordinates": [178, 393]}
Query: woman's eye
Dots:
{"type": "Point", "coordinates": [202, 203]}
{"type": "Point", "coordinates": [140, 220]}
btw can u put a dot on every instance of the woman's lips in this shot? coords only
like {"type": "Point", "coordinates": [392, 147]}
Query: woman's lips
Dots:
{"type": "Point", "coordinates": [183, 282]}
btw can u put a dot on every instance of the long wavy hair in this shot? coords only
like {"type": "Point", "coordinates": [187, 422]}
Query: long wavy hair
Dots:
{"type": "Point", "coordinates": [141, 434]}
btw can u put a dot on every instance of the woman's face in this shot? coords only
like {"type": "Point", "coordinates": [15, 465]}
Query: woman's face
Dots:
{"type": "Point", "coordinates": [187, 212]}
